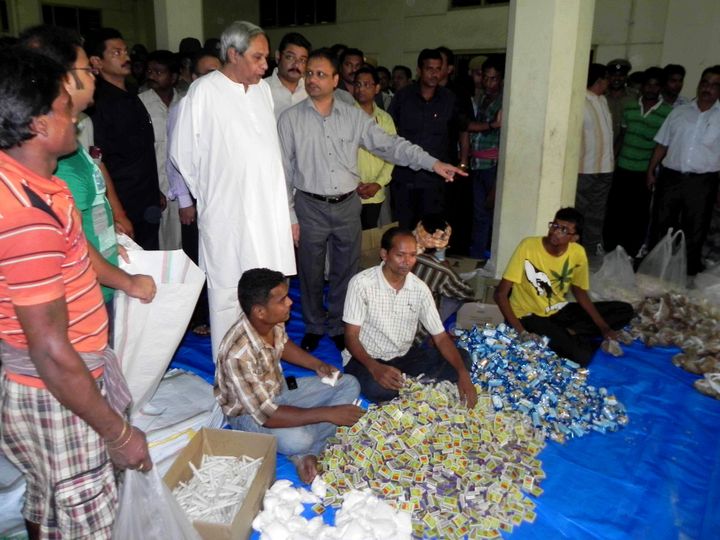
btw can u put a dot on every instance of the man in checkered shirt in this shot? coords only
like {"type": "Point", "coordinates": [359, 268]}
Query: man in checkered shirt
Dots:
{"type": "Point", "coordinates": [382, 309]}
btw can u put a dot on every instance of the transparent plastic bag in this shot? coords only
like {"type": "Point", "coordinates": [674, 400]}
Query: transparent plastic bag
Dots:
{"type": "Point", "coordinates": [665, 267]}
{"type": "Point", "coordinates": [148, 510]}
{"type": "Point", "coordinates": [615, 280]}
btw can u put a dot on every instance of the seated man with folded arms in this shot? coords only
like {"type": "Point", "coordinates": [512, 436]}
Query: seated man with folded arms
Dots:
{"type": "Point", "coordinates": [532, 294]}
{"type": "Point", "coordinates": [249, 384]}
{"type": "Point", "coordinates": [382, 309]}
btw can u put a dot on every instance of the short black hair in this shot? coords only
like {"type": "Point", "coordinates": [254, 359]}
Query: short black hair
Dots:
{"type": "Point", "coordinates": [715, 70]}
{"type": "Point", "coordinates": [595, 73]}
{"type": "Point", "coordinates": [165, 58]}
{"type": "Point", "coordinates": [199, 56]}
{"type": "Point", "coordinates": [383, 69]}
{"type": "Point", "coordinates": [29, 83]}
{"type": "Point", "coordinates": [60, 44]}
{"type": "Point", "coordinates": [337, 49]}
{"type": "Point", "coordinates": [189, 45]}
{"type": "Point", "coordinates": [255, 285]}
{"type": "Point", "coordinates": [350, 52]}
{"type": "Point", "coordinates": [428, 54]}
{"type": "Point", "coordinates": [495, 62]}
{"type": "Point", "coordinates": [388, 237]}
{"type": "Point", "coordinates": [653, 73]}
{"type": "Point", "coordinates": [571, 215]}
{"type": "Point", "coordinates": [327, 54]}
{"type": "Point", "coordinates": [674, 69]}
{"type": "Point", "coordinates": [95, 40]}
{"type": "Point", "coordinates": [447, 53]}
{"type": "Point", "coordinates": [294, 38]}
{"type": "Point", "coordinates": [369, 70]}
{"type": "Point", "coordinates": [406, 70]}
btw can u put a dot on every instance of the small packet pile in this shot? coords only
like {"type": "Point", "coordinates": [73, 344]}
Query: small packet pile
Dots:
{"type": "Point", "coordinates": [527, 376]}
{"type": "Point", "coordinates": [459, 472]}
{"type": "Point", "coordinates": [217, 489]}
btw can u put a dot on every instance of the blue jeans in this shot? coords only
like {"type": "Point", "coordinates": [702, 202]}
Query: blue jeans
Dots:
{"type": "Point", "coordinates": [483, 182]}
{"type": "Point", "coordinates": [310, 392]}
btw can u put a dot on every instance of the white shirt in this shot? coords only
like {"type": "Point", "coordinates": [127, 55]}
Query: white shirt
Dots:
{"type": "Point", "coordinates": [596, 153]}
{"type": "Point", "coordinates": [158, 112]}
{"type": "Point", "coordinates": [692, 138]}
{"type": "Point", "coordinates": [226, 147]}
{"type": "Point", "coordinates": [281, 94]}
{"type": "Point", "coordinates": [388, 319]}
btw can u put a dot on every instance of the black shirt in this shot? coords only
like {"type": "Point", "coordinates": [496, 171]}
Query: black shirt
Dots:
{"type": "Point", "coordinates": [124, 133]}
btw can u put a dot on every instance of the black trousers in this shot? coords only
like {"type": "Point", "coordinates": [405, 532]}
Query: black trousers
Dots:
{"type": "Point", "coordinates": [685, 201]}
{"type": "Point", "coordinates": [369, 215]}
{"type": "Point", "coordinates": [572, 332]}
{"type": "Point", "coordinates": [628, 211]}
{"type": "Point", "coordinates": [189, 235]}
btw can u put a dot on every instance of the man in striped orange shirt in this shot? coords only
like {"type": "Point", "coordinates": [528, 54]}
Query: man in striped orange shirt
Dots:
{"type": "Point", "coordinates": [63, 395]}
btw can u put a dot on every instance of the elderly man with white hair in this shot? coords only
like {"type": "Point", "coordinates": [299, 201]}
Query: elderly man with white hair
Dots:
{"type": "Point", "coordinates": [225, 145]}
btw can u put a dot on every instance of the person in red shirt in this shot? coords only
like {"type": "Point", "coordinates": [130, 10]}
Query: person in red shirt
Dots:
{"type": "Point", "coordinates": [63, 395]}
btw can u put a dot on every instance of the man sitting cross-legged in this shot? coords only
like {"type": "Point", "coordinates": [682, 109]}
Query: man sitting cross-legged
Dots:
{"type": "Point", "coordinates": [383, 307]}
{"type": "Point", "coordinates": [251, 389]}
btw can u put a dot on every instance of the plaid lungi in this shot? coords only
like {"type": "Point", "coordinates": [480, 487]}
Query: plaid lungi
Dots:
{"type": "Point", "coordinates": [71, 489]}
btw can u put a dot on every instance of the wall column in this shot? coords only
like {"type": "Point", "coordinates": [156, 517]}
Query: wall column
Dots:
{"type": "Point", "coordinates": [177, 19]}
{"type": "Point", "coordinates": [548, 54]}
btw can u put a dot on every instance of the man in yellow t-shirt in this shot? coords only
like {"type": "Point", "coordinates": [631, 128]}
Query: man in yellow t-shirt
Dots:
{"type": "Point", "coordinates": [532, 294]}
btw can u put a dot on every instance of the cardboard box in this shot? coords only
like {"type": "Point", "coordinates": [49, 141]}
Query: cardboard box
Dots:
{"type": "Point", "coordinates": [478, 314]}
{"type": "Point", "coordinates": [223, 442]}
{"type": "Point", "coordinates": [370, 246]}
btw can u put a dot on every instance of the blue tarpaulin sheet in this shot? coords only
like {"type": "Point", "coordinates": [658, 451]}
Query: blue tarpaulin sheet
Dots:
{"type": "Point", "coordinates": [657, 478]}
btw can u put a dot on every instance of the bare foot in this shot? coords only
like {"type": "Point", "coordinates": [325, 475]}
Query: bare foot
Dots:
{"type": "Point", "coordinates": [306, 468]}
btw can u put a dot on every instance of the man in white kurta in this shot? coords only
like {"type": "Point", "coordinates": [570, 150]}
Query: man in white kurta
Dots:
{"type": "Point", "coordinates": [226, 147]}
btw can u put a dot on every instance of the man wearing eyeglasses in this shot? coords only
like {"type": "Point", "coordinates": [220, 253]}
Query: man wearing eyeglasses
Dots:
{"type": "Point", "coordinates": [532, 294]}
{"type": "Point", "coordinates": [286, 83]}
{"type": "Point", "coordinates": [320, 138]}
{"type": "Point", "coordinates": [124, 134]}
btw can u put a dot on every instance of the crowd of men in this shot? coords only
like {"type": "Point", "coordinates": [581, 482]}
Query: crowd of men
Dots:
{"type": "Point", "coordinates": [649, 159]}
{"type": "Point", "coordinates": [260, 174]}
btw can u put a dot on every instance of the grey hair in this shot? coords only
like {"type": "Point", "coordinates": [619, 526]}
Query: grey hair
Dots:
{"type": "Point", "coordinates": [237, 36]}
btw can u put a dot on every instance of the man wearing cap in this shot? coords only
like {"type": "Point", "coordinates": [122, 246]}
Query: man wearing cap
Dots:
{"type": "Point", "coordinates": [619, 93]}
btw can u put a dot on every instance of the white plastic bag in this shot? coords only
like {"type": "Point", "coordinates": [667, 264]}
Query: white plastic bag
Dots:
{"type": "Point", "coordinates": [148, 510]}
{"type": "Point", "coordinates": [146, 335]}
{"type": "Point", "coordinates": [615, 280]}
{"type": "Point", "coordinates": [665, 267]}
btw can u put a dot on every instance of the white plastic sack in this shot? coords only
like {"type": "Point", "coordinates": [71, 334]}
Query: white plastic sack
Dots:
{"type": "Point", "coordinates": [149, 510]}
{"type": "Point", "coordinates": [146, 335]}
{"type": "Point", "coordinates": [665, 267]}
{"type": "Point", "coordinates": [615, 280]}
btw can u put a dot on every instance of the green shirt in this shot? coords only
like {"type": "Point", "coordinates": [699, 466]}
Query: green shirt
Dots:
{"type": "Point", "coordinates": [638, 144]}
{"type": "Point", "coordinates": [371, 168]}
{"type": "Point", "coordinates": [487, 111]}
{"type": "Point", "coordinates": [87, 185]}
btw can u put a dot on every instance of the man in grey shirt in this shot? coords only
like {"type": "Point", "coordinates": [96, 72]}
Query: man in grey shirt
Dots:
{"type": "Point", "coordinates": [320, 138]}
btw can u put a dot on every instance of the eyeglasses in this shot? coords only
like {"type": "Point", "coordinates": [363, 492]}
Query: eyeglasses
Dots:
{"type": "Point", "coordinates": [319, 74]}
{"type": "Point", "coordinates": [89, 69]}
{"type": "Point", "coordinates": [359, 84]}
{"type": "Point", "coordinates": [291, 58]}
{"type": "Point", "coordinates": [118, 52]}
{"type": "Point", "coordinates": [562, 229]}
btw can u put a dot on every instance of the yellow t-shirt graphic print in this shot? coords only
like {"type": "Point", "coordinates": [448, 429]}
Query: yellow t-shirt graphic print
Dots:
{"type": "Point", "coordinates": [541, 280]}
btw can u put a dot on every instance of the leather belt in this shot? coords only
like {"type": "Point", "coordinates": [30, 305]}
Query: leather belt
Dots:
{"type": "Point", "coordinates": [334, 199]}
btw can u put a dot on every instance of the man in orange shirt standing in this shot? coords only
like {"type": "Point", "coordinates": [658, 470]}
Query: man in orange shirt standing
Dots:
{"type": "Point", "coordinates": [63, 395]}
